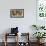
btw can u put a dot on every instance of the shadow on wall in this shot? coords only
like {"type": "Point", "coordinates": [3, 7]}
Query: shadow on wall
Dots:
{"type": "Point", "coordinates": [32, 30]}
{"type": "Point", "coordinates": [3, 33]}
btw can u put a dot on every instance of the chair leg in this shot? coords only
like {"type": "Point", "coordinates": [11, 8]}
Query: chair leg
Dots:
{"type": "Point", "coordinates": [5, 43]}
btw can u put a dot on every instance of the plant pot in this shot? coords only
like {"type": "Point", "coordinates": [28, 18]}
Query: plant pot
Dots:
{"type": "Point", "coordinates": [38, 40]}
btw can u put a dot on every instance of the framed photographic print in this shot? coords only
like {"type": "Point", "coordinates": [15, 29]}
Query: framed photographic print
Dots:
{"type": "Point", "coordinates": [41, 8]}
{"type": "Point", "coordinates": [17, 13]}
{"type": "Point", "coordinates": [41, 12]}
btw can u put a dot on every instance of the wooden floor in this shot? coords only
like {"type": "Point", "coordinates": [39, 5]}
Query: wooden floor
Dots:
{"type": "Point", "coordinates": [13, 44]}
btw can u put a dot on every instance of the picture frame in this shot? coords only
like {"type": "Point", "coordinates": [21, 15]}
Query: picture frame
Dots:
{"type": "Point", "coordinates": [41, 8]}
{"type": "Point", "coordinates": [16, 13]}
{"type": "Point", "coordinates": [41, 12]}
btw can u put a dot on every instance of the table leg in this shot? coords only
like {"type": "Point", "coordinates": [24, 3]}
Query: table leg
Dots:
{"type": "Point", "coordinates": [5, 40]}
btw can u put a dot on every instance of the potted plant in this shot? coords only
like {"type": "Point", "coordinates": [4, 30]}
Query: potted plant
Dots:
{"type": "Point", "coordinates": [38, 27]}
{"type": "Point", "coordinates": [35, 26]}
{"type": "Point", "coordinates": [42, 27]}
{"type": "Point", "coordinates": [39, 36]}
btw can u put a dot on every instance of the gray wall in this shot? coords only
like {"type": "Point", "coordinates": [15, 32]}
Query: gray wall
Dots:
{"type": "Point", "coordinates": [24, 24]}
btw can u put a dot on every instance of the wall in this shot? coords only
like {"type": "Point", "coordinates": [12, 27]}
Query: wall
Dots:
{"type": "Point", "coordinates": [24, 24]}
